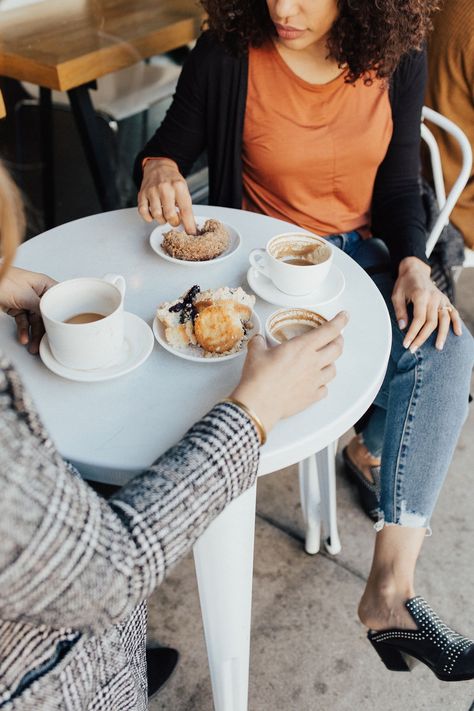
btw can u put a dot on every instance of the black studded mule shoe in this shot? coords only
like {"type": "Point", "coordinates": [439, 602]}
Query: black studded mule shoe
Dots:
{"type": "Point", "coordinates": [449, 655]}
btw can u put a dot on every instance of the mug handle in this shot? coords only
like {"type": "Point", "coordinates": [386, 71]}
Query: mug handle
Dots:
{"type": "Point", "coordinates": [117, 280]}
{"type": "Point", "coordinates": [258, 260]}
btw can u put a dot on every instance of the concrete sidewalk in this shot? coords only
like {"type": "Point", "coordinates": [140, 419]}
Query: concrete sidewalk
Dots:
{"type": "Point", "coordinates": [309, 651]}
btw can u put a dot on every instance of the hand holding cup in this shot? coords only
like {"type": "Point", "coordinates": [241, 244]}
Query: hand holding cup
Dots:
{"type": "Point", "coordinates": [20, 294]}
{"type": "Point", "coordinates": [280, 382]}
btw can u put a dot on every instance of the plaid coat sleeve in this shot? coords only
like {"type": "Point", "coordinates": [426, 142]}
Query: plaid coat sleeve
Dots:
{"type": "Point", "coordinates": [68, 555]}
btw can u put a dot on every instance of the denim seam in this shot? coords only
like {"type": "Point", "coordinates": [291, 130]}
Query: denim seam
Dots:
{"type": "Point", "coordinates": [404, 440]}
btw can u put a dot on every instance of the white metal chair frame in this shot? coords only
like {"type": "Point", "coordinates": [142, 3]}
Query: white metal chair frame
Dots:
{"type": "Point", "coordinates": [445, 204]}
{"type": "Point", "coordinates": [317, 474]}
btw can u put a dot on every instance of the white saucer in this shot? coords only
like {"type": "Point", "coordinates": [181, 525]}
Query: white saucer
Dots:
{"type": "Point", "coordinates": [156, 239]}
{"type": "Point", "coordinates": [196, 353]}
{"type": "Point", "coordinates": [332, 287]}
{"type": "Point", "coordinates": [137, 347]}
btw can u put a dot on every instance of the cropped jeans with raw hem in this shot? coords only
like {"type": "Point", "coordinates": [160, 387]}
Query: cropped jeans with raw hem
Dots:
{"type": "Point", "coordinates": [420, 408]}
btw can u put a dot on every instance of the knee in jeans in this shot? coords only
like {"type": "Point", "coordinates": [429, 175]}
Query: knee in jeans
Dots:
{"type": "Point", "coordinates": [454, 367]}
{"type": "Point", "coordinates": [459, 352]}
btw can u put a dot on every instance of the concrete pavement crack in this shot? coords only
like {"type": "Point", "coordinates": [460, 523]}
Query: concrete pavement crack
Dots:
{"type": "Point", "coordinates": [298, 537]}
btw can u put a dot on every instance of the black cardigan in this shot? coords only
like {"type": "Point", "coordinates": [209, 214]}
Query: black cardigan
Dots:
{"type": "Point", "coordinates": [208, 113]}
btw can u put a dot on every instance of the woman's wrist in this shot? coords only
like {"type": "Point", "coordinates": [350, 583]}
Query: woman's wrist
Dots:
{"type": "Point", "coordinates": [252, 415]}
{"type": "Point", "coordinates": [158, 160]}
{"type": "Point", "coordinates": [250, 399]}
{"type": "Point", "coordinates": [411, 264]}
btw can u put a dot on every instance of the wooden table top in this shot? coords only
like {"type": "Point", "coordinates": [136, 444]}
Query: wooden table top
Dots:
{"type": "Point", "coordinates": [62, 44]}
{"type": "Point", "coordinates": [2, 107]}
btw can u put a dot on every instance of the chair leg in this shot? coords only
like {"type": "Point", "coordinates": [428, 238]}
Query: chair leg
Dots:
{"type": "Point", "coordinates": [310, 503]}
{"type": "Point", "coordinates": [326, 466]}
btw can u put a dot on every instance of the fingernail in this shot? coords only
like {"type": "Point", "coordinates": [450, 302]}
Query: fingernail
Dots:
{"type": "Point", "coordinates": [402, 324]}
{"type": "Point", "coordinates": [440, 346]}
{"type": "Point", "coordinates": [406, 344]}
{"type": "Point", "coordinates": [413, 349]}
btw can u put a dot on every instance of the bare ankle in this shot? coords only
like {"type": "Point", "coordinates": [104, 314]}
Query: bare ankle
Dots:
{"type": "Point", "coordinates": [390, 588]}
{"type": "Point", "coordinates": [382, 605]}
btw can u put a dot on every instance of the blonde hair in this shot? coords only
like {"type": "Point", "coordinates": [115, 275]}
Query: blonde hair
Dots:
{"type": "Point", "coordinates": [12, 219]}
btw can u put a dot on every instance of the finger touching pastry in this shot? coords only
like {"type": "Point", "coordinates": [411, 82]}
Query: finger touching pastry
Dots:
{"type": "Point", "coordinates": [210, 241]}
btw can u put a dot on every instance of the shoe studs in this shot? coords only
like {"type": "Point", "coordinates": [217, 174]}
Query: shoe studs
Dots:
{"type": "Point", "coordinates": [432, 630]}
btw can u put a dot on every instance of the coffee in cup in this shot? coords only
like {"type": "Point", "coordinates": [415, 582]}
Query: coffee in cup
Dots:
{"type": "Point", "coordinates": [83, 319]}
{"type": "Point", "coordinates": [296, 262]}
{"type": "Point", "coordinates": [288, 323]}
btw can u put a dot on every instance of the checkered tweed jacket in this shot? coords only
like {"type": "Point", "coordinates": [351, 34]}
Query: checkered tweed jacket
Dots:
{"type": "Point", "coordinates": [75, 569]}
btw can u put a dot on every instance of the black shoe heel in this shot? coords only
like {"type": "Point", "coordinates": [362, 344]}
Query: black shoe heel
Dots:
{"type": "Point", "coordinates": [449, 655]}
{"type": "Point", "coordinates": [391, 657]}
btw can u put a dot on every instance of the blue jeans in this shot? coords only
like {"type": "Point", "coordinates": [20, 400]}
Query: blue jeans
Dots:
{"type": "Point", "coordinates": [420, 408]}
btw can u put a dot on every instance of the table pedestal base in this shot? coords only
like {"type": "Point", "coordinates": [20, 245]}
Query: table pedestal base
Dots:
{"type": "Point", "coordinates": [223, 558]}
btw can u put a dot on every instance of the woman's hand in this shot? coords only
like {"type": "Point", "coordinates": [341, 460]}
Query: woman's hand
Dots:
{"type": "Point", "coordinates": [20, 294]}
{"type": "Point", "coordinates": [164, 189]}
{"type": "Point", "coordinates": [431, 308]}
{"type": "Point", "coordinates": [281, 381]}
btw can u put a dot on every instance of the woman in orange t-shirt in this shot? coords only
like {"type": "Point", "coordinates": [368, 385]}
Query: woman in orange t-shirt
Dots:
{"type": "Point", "coordinates": [310, 112]}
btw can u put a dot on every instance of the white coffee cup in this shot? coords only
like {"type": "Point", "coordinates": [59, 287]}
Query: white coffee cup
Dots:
{"type": "Point", "coordinates": [293, 279]}
{"type": "Point", "coordinates": [85, 346]}
{"type": "Point", "coordinates": [288, 323]}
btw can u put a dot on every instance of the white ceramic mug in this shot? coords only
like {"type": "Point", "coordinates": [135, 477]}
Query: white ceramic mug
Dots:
{"type": "Point", "coordinates": [288, 323]}
{"type": "Point", "coordinates": [292, 279]}
{"type": "Point", "coordinates": [85, 346]}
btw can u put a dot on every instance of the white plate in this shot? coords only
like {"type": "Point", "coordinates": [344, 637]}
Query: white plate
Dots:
{"type": "Point", "coordinates": [156, 239]}
{"type": "Point", "coordinates": [196, 353]}
{"type": "Point", "coordinates": [332, 287]}
{"type": "Point", "coordinates": [137, 347]}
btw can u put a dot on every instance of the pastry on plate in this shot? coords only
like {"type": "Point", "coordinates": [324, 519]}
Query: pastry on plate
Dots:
{"type": "Point", "coordinates": [210, 241]}
{"type": "Point", "coordinates": [218, 329]}
{"type": "Point", "coordinates": [177, 317]}
{"type": "Point", "coordinates": [216, 320]}
{"type": "Point", "coordinates": [238, 298]}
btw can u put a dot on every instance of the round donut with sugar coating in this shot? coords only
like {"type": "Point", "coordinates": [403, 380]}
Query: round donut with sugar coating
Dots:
{"type": "Point", "coordinates": [211, 240]}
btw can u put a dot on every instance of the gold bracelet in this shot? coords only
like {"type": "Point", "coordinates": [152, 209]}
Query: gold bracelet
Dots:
{"type": "Point", "coordinates": [262, 434]}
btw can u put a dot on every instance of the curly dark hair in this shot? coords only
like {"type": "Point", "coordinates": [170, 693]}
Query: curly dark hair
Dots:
{"type": "Point", "coordinates": [368, 36]}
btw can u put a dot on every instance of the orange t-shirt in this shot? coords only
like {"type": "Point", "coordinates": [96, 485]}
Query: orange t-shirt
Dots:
{"type": "Point", "coordinates": [311, 151]}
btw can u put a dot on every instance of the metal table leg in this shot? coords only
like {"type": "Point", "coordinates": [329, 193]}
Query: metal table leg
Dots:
{"type": "Point", "coordinates": [102, 171]}
{"type": "Point", "coordinates": [47, 155]}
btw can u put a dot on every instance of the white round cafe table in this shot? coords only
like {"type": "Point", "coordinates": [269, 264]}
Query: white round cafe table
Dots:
{"type": "Point", "coordinates": [114, 429]}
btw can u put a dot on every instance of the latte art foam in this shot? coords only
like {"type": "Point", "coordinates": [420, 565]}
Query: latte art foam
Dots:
{"type": "Point", "coordinates": [290, 323]}
{"type": "Point", "coordinates": [300, 250]}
